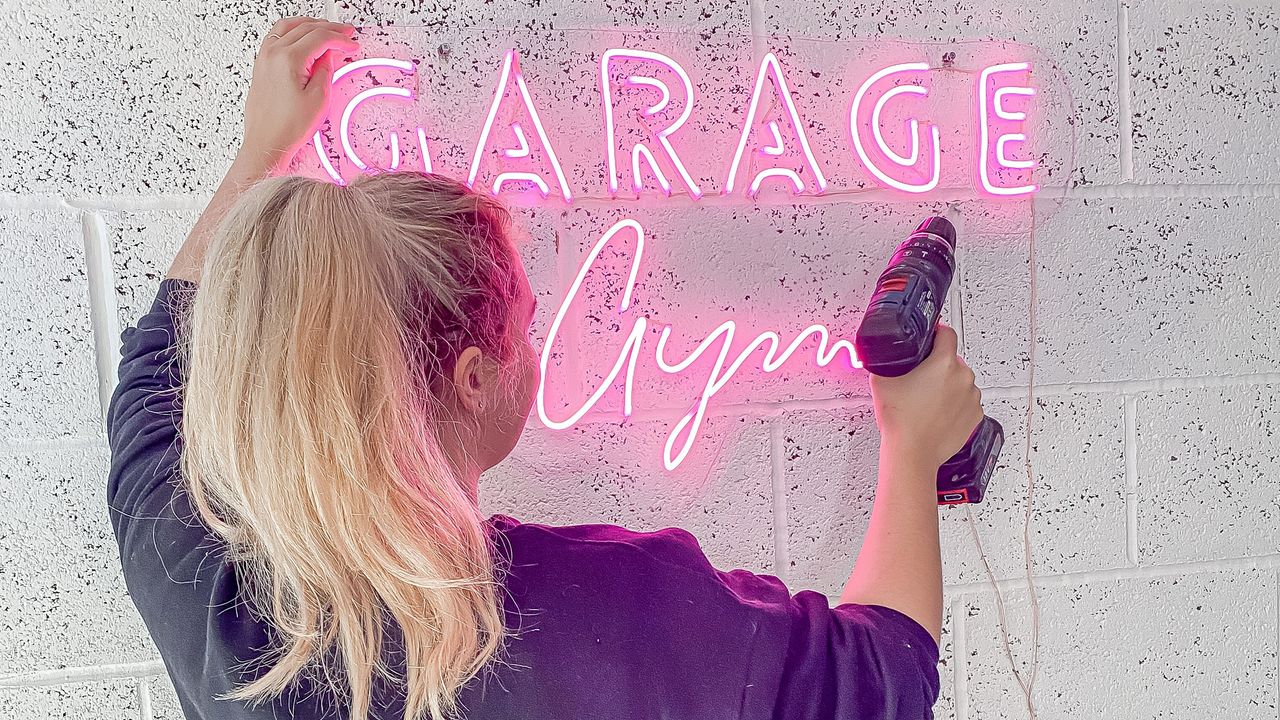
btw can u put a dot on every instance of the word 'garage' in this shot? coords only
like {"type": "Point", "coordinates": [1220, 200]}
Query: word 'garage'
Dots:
{"type": "Point", "coordinates": [645, 151]}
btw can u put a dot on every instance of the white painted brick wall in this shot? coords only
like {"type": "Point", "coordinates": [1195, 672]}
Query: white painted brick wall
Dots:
{"type": "Point", "coordinates": [1155, 439]}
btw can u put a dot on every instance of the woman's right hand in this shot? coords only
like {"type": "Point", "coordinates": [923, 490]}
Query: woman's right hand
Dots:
{"type": "Point", "coordinates": [929, 413]}
{"type": "Point", "coordinates": [289, 94]}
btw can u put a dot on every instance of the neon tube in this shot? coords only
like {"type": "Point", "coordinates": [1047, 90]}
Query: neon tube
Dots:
{"type": "Point", "coordinates": [984, 132]}
{"type": "Point", "coordinates": [662, 136]}
{"type": "Point", "coordinates": [771, 65]}
{"type": "Point", "coordinates": [317, 142]}
{"type": "Point", "coordinates": [628, 357]}
{"type": "Point", "coordinates": [888, 152]}
{"type": "Point", "coordinates": [510, 67]}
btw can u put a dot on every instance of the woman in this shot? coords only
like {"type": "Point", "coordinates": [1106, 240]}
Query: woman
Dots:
{"type": "Point", "coordinates": [296, 448]}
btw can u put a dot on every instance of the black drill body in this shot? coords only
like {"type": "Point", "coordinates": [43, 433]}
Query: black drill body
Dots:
{"type": "Point", "coordinates": [897, 333]}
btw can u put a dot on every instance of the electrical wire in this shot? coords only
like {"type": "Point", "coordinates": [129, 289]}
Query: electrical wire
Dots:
{"type": "Point", "coordinates": [1027, 686]}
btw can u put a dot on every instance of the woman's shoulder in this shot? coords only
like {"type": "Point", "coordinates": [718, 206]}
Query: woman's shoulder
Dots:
{"type": "Point", "coordinates": [668, 544]}
{"type": "Point", "coordinates": [668, 559]}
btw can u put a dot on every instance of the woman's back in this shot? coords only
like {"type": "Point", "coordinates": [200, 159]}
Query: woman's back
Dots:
{"type": "Point", "coordinates": [604, 622]}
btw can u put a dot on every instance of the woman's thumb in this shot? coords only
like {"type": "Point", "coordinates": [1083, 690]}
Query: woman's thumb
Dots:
{"type": "Point", "coordinates": [945, 342]}
{"type": "Point", "coordinates": [322, 72]}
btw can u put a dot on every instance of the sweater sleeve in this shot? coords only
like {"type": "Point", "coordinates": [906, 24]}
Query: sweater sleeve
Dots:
{"type": "Point", "coordinates": [152, 518]}
{"type": "Point", "coordinates": [847, 662]}
{"type": "Point", "coordinates": [871, 662]}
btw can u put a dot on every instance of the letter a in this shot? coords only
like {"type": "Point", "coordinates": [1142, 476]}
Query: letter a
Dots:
{"type": "Point", "coordinates": [519, 154]}
{"type": "Point", "coordinates": [776, 146]}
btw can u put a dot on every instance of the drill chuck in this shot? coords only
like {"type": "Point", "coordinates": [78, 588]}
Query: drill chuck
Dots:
{"type": "Point", "coordinates": [897, 329]}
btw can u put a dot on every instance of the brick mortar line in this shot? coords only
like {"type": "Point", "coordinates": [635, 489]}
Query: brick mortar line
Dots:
{"type": "Point", "coordinates": [145, 711]}
{"type": "Point", "coordinates": [1119, 191]}
{"type": "Point", "coordinates": [960, 656]}
{"type": "Point", "coordinates": [1000, 392]}
{"type": "Point", "coordinates": [1085, 577]}
{"type": "Point", "coordinates": [11, 201]}
{"type": "Point", "coordinates": [755, 20]}
{"type": "Point", "coordinates": [955, 294]}
{"type": "Point", "coordinates": [1124, 95]}
{"type": "Point", "coordinates": [566, 271]}
{"type": "Point", "coordinates": [776, 409]}
{"type": "Point", "coordinates": [65, 676]}
{"type": "Point", "coordinates": [138, 203]}
{"type": "Point", "coordinates": [781, 523]}
{"type": "Point", "coordinates": [1138, 386]}
{"type": "Point", "coordinates": [1131, 477]}
{"type": "Point", "coordinates": [37, 446]}
{"type": "Point", "coordinates": [103, 308]}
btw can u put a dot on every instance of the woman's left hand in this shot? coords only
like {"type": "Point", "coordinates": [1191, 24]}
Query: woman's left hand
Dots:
{"type": "Point", "coordinates": [289, 94]}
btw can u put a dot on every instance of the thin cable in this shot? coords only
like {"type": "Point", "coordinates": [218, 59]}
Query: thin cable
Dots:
{"type": "Point", "coordinates": [1028, 686]}
{"type": "Point", "coordinates": [1026, 455]}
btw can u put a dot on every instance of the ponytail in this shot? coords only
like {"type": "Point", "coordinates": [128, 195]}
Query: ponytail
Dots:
{"type": "Point", "coordinates": [325, 322]}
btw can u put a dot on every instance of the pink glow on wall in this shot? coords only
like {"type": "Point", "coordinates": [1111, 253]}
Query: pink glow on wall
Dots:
{"type": "Point", "coordinates": [344, 127]}
{"type": "Point", "coordinates": [858, 128]}
{"type": "Point", "coordinates": [769, 66]}
{"type": "Point", "coordinates": [404, 66]}
{"type": "Point", "coordinates": [994, 119]}
{"type": "Point", "coordinates": [631, 345]}
{"type": "Point", "coordinates": [717, 343]}
{"type": "Point", "coordinates": [648, 98]}
{"type": "Point", "coordinates": [662, 136]}
{"type": "Point", "coordinates": [835, 120]}
{"type": "Point", "coordinates": [344, 131]}
{"type": "Point", "coordinates": [511, 69]}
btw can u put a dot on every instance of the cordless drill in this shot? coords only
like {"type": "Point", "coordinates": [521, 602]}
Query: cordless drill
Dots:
{"type": "Point", "coordinates": [897, 333]}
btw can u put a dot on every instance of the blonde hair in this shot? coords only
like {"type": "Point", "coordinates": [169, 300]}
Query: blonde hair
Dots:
{"type": "Point", "coordinates": [326, 320]}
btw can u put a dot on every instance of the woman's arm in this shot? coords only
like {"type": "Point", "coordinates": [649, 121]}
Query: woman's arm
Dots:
{"type": "Point", "coordinates": [925, 417]}
{"type": "Point", "coordinates": [287, 99]}
{"type": "Point", "coordinates": [244, 172]}
{"type": "Point", "coordinates": [900, 563]}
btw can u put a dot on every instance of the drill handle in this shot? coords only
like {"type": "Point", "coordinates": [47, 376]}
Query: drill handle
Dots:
{"type": "Point", "coordinates": [964, 476]}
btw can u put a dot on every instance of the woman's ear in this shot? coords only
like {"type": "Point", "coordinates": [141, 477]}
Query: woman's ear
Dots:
{"type": "Point", "coordinates": [471, 379]}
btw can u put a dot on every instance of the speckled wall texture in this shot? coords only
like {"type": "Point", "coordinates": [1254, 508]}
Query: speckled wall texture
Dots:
{"type": "Point", "coordinates": [1155, 426]}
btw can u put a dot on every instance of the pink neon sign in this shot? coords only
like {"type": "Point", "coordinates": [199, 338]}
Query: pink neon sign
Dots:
{"type": "Point", "coordinates": [992, 113]}
{"type": "Point", "coordinates": [719, 344]}
{"type": "Point", "coordinates": [601, 117]}
{"type": "Point", "coordinates": [770, 67]}
{"type": "Point", "coordinates": [858, 129]}
{"type": "Point", "coordinates": [510, 69]}
{"type": "Point", "coordinates": [663, 137]}
{"type": "Point", "coordinates": [913, 127]}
